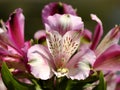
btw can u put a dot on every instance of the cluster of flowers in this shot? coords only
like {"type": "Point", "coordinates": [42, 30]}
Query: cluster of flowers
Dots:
{"type": "Point", "coordinates": [64, 49]}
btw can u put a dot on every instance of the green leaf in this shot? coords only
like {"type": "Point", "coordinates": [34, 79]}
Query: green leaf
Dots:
{"type": "Point", "coordinates": [12, 83]}
{"type": "Point", "coordinates": [102, 83]}
{"type": "Point", "coordinates": [81, 84]}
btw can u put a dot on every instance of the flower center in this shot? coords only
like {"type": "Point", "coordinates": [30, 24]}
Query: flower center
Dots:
{"type": "Point", "coordinates": [62, 72]}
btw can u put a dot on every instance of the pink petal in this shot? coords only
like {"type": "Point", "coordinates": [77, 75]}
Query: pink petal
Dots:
{"type": "Point", "coordinates": [3, 51]}
{"type": "Point", "coordinates": [27, 45]}
{"type": "Point", "coordinates": [15, 26]}
{"type": "Point", "coordinates": [39, 59]}
{"type": "Point", "coordinates": [56, 7]}
{"type": "Point", "coordinates": [98, 32]}
{"type": "Point", "coordinates": [4, 38]}
{"type": "Point", "coordinates": [40, 49]}
{"type": "Point", "coordinates": [6, 42]}
{"type": "Point", "coordinates": [76, 23]}
{"type": "Point", "coordinates": [79, 64]}
{"type": "Point", "coordinates": [109, 60]}
{"type": "Point", "coordinates": [40, 34]}
{"type": "Point", "coordinates": [110, 39]}
{"type": "Point", "coordinates": [53, 22]}
{"type": "Point", "coordinates": [64, 23]}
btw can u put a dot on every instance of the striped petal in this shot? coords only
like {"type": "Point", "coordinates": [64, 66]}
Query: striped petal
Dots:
{"type": "Point", "coordinates": [62, 48]}
{"type": "Point", "coordinates": [109, 60]}
{"type": "Point", "coordinates": [54, 43]}
{"type": "Point", "coordinates": [70, 44]}
{"type": "Point", "coordinates": [110, 39]}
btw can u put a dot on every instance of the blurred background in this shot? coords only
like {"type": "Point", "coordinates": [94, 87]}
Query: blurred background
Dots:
{"type": "Point", "coordinates": [107, 10]}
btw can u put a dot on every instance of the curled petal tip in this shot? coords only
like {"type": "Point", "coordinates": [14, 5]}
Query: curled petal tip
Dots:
{"type": "Point", "coordinates": [115, 32]}
{"type": "Point", "coordinates": [19, 10]}
{"type": "Point", "coordinates": [98, 31]}
{"type": "Point", "coordinates": [94, 17]}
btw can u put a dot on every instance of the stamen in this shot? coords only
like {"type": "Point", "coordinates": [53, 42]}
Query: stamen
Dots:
{"type": "Point", "coordinates": [62, 72]}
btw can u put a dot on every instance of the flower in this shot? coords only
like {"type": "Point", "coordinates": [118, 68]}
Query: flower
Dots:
{"type": "Point", "coordinates": [61, 57]}
{"type": "Point", "coordinates": [13, 47]}
{"type": "Point", "coordinates": [50, 10]}
{"type": "Point", "coordinates": [56, 8]}
{"type": "Point", "coordinates": [60, 23]}
{"type": "Point", "coordinates": [108, 50]}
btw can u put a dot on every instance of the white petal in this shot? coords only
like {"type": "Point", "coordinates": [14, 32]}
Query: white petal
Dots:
{"type": "Point", "coordinates": [79, 66]}
{"type": "Point", "coordinates": [38, 59]}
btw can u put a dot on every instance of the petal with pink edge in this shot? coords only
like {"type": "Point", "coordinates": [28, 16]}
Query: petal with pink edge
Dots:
{"type": "Point", "coordinates": [64, 23]}
{"type": "Point", "coordinates": [40, 34]}
{"type": "Point", "coordinates": [56, 7]}
{"type": "Point", "coordinates": [80, 64]}
{"type": "Point", "coordinates": [15, 26]}
{"type": "Point", "coordinates": [98, 32]}
{"type": "Point", "coordinates": [110, 39]}
{"type": "Point", "coordinates": [109, 59]}
{"type": "Point", "coordinates": [38, 59]}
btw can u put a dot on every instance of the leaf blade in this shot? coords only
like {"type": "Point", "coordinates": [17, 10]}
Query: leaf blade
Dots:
{"type": "Point", "coordinates": [12, 83]}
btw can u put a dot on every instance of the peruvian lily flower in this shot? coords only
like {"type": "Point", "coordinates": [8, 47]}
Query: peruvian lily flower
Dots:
{"type": "Point", "coordinates": [50, 10]}
{"type": "Point", "coordinates": [56, 8]}
{"type": "Point", "coordinates": [108, 50]}
{"type": "Point", "coordinates": [61, 57]}
{"type": "Point", "coordinates": [59, 23]}
{"type": "Point", "coordinates": [12, 44]}
{"type": "Point", "coordinates": [57, 58]}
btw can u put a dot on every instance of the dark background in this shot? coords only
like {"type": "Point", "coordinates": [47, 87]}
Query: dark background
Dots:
{"type": "Point", "coordinates": [107, 10]}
